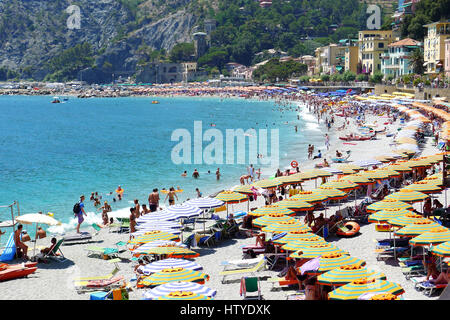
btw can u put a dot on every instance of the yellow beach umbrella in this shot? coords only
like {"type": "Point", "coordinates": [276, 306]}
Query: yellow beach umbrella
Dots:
{"type": "Point", "coordinates": [291, 179]}
{"type": "Point", "coordinates": [332, 193]}
{"type": "Point", "coordinates": [346, 274]}
{"type": "Point", "coordinates": [442, 250]}
{"type": "Point", "coordinates": [316, 250]}
{"type": "Point", "coordinates": [407, 196]}
{"type": "Point", "coordinates": [392, 173]}
{"type": "Point", "coordinates": [388, 204]}
{"type": "Point", "coordinates": [295, 205]}
{"type": "Point", "coordinates": [406, 140]}
{"type": "Point", "coordinates": [270, 209]}
{"type": "Point", "coordinates": [231, 197]}
{"type": "Point", "coordinates": [317, 173]}
{"type": "Point", "coordinates": [172, 275]}
{"type": "Point", "coordinates": [353, 290]}
{"type": "Point", "coordinates": [184, 295]}
{"type": "Point", "coordinates": [424, 186]}
{"type": "Point", "coordinates": [359, 179]}
{"type": "Point", "coordinates": [153, 236]}
{"type": "Point", "coordinates": [271, 218]}
{"type": "Point", "coordinates": [332, 261]}
{"type": "Point", "coordinates": [404, 220]}
{"type": "Point", "coordinates": [294, 235]}
{"type": "Point", "coordinates": [387, 214]}
{"type": "Point", "coordinates": [342, 184]}
{"type": "Point", "coordinates": [350, 166]}
{"type": "Point", "coordinates": [268, 183]}
{"type": "Point", "coordinates": [244, 189]}
{"type": "Point", "coordinates": [286, 226]}
{"type": "Point", "coordinates": [310, 197]}
{"type": "Point", "coordinates": [303, 242]}
{"type": "Point", "coordinates": [376, 174]}
{"type": "Point", "coordinates": [417, 228]}
{"type": "Point", "coordinates": [400, 167]}
{"type": "Point", "coordinates": [433, 237]}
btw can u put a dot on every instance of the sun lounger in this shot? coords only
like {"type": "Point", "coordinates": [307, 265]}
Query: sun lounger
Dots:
{"type": "Point", "coordinates": [250, 284]}
{"type": "Point", "coordinates": [240, 264]}
{"type": "Point", "coordinates": [10, 250]}
{"type": "Point", "coordinates": [253, 270]}
{"type": "Point", "coordinates": [102, 252]}
{"type": "Point", "coordinates": [412, 271]}
{"type": "Point", "coordinates": [97, 228]}
{"type": "Point", "coordinates": [256, 249]}
{"type": "Point", "coordinates": [80, 237]}
{"type": "Point", "coordinates": [85, 279]}
{"type": "Point", "coordinates": [429, 287]}
{"type": "Point", "coordinates": [96, 285]}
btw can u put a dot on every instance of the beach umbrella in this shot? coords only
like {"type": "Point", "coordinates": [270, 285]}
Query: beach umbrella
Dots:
{"type": "Point", "coordinates": [350, 166]}
{"type": "Point", "coordinates": [295, 205]}
{"type": "Point", "coordinates": [412, 148]}
{"type": "Point", "coordinates": [331, 193]}
{"type": "Point", "coordinates": [184, 295]}
{"type": "Point", "coordinates": [442, 250]}
{"type": "Point", "coordinates": [399, 167]}
{"type": "Point", "coordinates": [406, 150]}
{"type": "Point", "coordinates": [376, 174]}
{"type": "Point", "coordinates": [338, 171]}
{"type": "Point", "coordinates": [417, 228]}
{"type": "Point", "coordinates": [158, 243]}
{"type": "Point", "coordinates": [418, 163]}
{"type": "Point", "coordinates": [153, 236]}
{"type": "Point", "coordinates": [316, 250]}
{"type": "Point", "coordinates": [175, 286]}
{"type": "Point", "coordinates": [317, 173]}
{"type": "Point", "coordinates": [390, 172]}
{"type": "Point", "coordinates": [172, 275]}
{"type": "Point", "coordinates": [438, 181]}
{"type": "Point", "coordinates": [171, 251]}
{"type": "Point", "coordinates": [347, 171]}
{"type": "Point", "coordinates": [303, 242]}
{"type": "Point", "coordinates": [433, 237]}
{"type": "Point", "coordinates": [405, 219]}
{"type": "Point", "coordinates": [378, 296]}
{"type": "Point", "coordinates": [387, 214]}
{"type": "Point", "coordinates": [286, 226]}
{"type": "Point", "coordinates": [342, 184]}
{"type": "Point", "coordinates": [270, 209]}
{"type": "Point", "coordinates": [354, 289]}
{"type": "Point", "coordinates": [246, 189]}
{"type": "Point", "coordinates": [310, 197]}
{"type": "Point", "coordinates": [424, 187]}
{"type": "Point", "coordinates": [346, 274]}
{"type": "Point", "coordinates": [291, 179]}
{"type": "Point", "coordinates": [271, 218]}
{"type": "Point", "coordinates": [332, 261]}
{"type": "Point", "coordinates": [294, 235]}
{"type": "Point", "coordinates": [388, 204]}
{"type": "Point", "coordinates": [406, 140]}
{"type": "Point", "coordinates": [151, 228]}
{"type": "Point", "coordinates": [161, 215]}
{"type": "Point", "coordinates": [231, 197]}
{"type": "Point", "coordinates": [383, 159]}
{"type": "Point", "coordinates": [37, 218]}
{"type": "Point", "coordinates": [159, 223]}
{"type": "Point", "coordinates": [160, 265]}
{"type": "Point", "coordinates": [407, 196]}
{"type": "Point", "coordinates": [358, 179]}
{"type": "Point", "coordinates": [184, 211]}
{"type": "Point", "coordinates": [268, 183]}
{"type": "Point", "coordinates": [205, 203]}
{"type": "Point", "coordinates": [367, 163]}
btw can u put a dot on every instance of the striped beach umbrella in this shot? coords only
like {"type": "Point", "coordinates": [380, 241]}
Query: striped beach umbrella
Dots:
{"type": "Point", "coordinates": [418, 163]}
{"type": "Point", "coordinates": [404, 220]}
{"type": "Point", "coordinates": [295, 205]}
{"type": "Point", "coordinates": [310, 197]}
{"type": "Point", "coordinates": [359, 179]}
{"type": "Point", "coordinates": [268, 183]}
{"type": "Point", "coordinates": [342, 184]}
{"type": "Point", "coordinates": [332, 261]}
{"type": "Point", "coordinates": [231, 197]}
{"type": "Point", "coordinates": [270, 209]}
{"type": "Point", "coordinates": [291, 179]}
{"type": "Point", "coordinates": [153, 236]}
{"type": "Point", "coordinates": [387, 214]}
{"type": "Point", "coordinates": [403, 149]}
{"type": "Point", "coordinates": [354, 289]}
{"type": "Point", "coordinates": [388, 204]}
{"type": "Point", "coordinates": [383, 159]}
{"type": "Point", "coordinates": [406, 140]}
{"type": "Point", "coordinates": [434, 180]}
{"type": "Point", "coordinates": [399, 167]}
{"type": "Point", "coordinates": [347, 171]}
{"type": "Point", "coordinates": [367, 163]}
{"type": "Point", "coordinates": [159, 223]}
{"type": "Point", "coordinates": [442, 250]}
{"type": "Point", "coordinates": [246, 189]}
{"type": "Point", "coordinates": [433, 237]}
{"type": "Point", "coordinates": [184, 295]}
{"type": "Point", "coordinates": [167, 288]}
{"type": "Point", "coordinates": [150, 228]}
{"type": "Point", "coordinates": [424, 187]}
{"type": "Point", "coordinates": [160, 265]}
{"type": "Point", "coordinates": [184, 211]}
{"type": "Point", "coordinates": [159, 243]}
{"type": "Point", "coordinates": [317, 173]}
{"type": "Point", "coordinates": [380, 297]}
{"type": "Point", "coordinates": [271, 218]}
{"type": "Point", "coordinates": [298, 244]}
{"type": "Point", "coordinates": [161, 215]}
{"type": "Point", "coordinates": [417, 228]}
{"type": "Point", "coordinates": [346, 274]}
{"type": "Point", "coordinates": [286, 226]}
{"type": "Point", "coordinates": [170, 251]}
{"type": "Point", "coordinates": [406, 195]}
{"type": "Point", "coordinates": [332, 193]}
{"type": "Point", "coordinates": [294, 235]}
{"type": "Point", "coordinates": [350, 166]}
{"type": "Point", "coordinates": [316, 250]}
{"type": "Point", "coordinates": [205, 203]}
{"type": "Point", "coordinates": [174, 274]}
{"type": "Point", "coordinates": [390, 172]}
{"type": "Point", "coordinates": [376, 174]}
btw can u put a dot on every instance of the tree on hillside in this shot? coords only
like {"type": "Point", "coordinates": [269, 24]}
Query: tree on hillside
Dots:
{"type": "Point", "coordinates": [416, 60]}
{"type": "Point", "coordinates": [182, 52]}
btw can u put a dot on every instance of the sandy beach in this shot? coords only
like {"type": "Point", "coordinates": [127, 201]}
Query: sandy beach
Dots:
{"type": "Point", "coordinates": [54, 280]}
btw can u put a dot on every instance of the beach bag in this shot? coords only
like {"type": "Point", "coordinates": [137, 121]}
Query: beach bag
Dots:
{"type": "Point", "coordinates": [76, 208]}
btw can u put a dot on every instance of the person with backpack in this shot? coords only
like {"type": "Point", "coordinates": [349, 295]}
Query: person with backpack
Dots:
{"type": "Point", "coordinates": [78, 210]}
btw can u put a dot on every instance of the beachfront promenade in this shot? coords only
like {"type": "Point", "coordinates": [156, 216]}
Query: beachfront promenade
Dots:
{"type": "Point", "coordinates": [55, 280]}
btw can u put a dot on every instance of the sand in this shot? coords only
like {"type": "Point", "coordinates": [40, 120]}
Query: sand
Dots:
{"type": "Point", "coordinates": [54, 280]}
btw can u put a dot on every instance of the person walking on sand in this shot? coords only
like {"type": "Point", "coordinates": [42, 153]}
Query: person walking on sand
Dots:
{"type": "Point", "coordinates": [80, 213]}
{"type": "Point", "coordinates": [218, 174]}
{"type": "Point", "coordinates": [153, 200]}
{"type": "Point", "coordinates": [327, 141]}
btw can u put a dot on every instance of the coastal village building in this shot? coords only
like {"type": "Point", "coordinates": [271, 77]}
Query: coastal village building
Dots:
{"type": "Point", "coordinates": [332, 59]}
{"type": "Point", "coordinates": [434, 46]}
{"type": "Point", "coordinates": [200, 44]}
{"type": "Point", "coordinates": [447, 58]}
{"type": "Point", "coordinates": [310, 61]}
{"type": "Point", "coordinates": [351, 59]}
{"type": "Point", "coordinates": [405, 7]}
{"type": "Point", "coordinates": [395, 62]}
{"type": "Point", "coordinates": [372, 44]}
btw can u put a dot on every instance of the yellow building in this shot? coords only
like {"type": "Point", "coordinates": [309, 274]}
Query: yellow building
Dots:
{"type": "Point", "coordinates": [351, 59]}
{"type": "Point", "coordinates": [330, 59]}
{"type": "Point", "coordinates": [372, 44]}
{"type": "Point", "coordinates": [434, 46]}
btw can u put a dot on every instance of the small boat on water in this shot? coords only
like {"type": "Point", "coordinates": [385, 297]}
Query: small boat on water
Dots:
{"type": "Point", "coordinates": [14, 271]}
{"type": "Point", "coordinates": [56, 100]}
{"type": "Point", "coordinates": [155, 102]}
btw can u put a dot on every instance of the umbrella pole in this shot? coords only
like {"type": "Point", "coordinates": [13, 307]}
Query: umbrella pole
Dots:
{"type": "Point", "coordinates": [35, 240]}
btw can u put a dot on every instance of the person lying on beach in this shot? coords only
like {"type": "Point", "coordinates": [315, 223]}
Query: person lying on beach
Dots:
{"type": "Point", "coordinates": [443, 278]}
{"type": "Point", "coordinates": [50, 249]}
{"type": "Point", "coordinates": [19, 244]}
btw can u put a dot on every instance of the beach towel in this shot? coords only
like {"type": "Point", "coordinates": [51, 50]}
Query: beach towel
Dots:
{"type": "Point", "coordinates": [311, 265]}
{"type": "Point", "coordinates": [10, 250]}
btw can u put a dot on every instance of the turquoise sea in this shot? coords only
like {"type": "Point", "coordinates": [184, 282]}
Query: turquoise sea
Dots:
{"type": "Point", "coordinates": [50, 154]}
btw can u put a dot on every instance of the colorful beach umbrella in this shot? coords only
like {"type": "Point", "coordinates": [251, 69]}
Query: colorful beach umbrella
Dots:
{"type": "Point", "coordinates": [159, 243]}
{"type": "Point", "coordinates": [346, 274]}
{"type": "Point", "coordinates": [271, 218]}
{"type": "Point", "coordinates": [153, 236]}
{"type": "Point", "coordinates": [184, 295]}
{"type": "Point", "coordinates": [161, 215]}
{"type": "Point", "coordinates": [332, 261]}
{"type": "Point", "coordinates": [231, 197]}
{"type": "Point", "coordinates": [387, 214]}
{"type": "Point", "coordinates": [268, 183]}
{"type": "Point", "coordinates": [286, 226]}
{"type": "Point", "coordinates": [354, 289]}
{"type": "Point", "coordinates": [342, 184]}
{"type": "Point", "coordinates": [294, 235]}
{"type": "Point", "coordinates": [433, 237]}
{"type": "Point", "coordinates": [400, 167]}
{"type": "Point", "coordinates": [270, 209]}
{"type": "Point", "coordinates": [317, 173]}
{"type": "Point", "coordinates": [170, 252]}
{"type": "Point", "coordinates": [316, 250]}
{"type": "Point", "coordinates": [167, 288]}
{"type": "Point", "coordinates": [160, 265]}
{"type": "Point", "coordinates": [291, 179]}
{"type": "Point", "coordinates": [332, 193]}
{"type": "Point", "coordinates": [310, 197]}
{"type": "Point", "coordinates": [172, 275]}
{"type": "Point", "coordinates": [388, 204]}
{"type": "Point", "coordinates": [298, 244]}
{"type": "Point", "coordinates": [183, 211]}
{"type": "Point", "coordinates": [376, 174]}
{"type": "Point", "coordinates": [358, 179]}
{"type": "Point", "coordinates": [405, 219]}
{"type": "Point", "coordinates": [417, 228]}
{"type": "Point", "coordinates": [406, 195]}
{"type": "Point", "coordinates": [424, 187]}
{"type": "Point", "coordinates": [205, 203]}
{"type": "Point", "coordinates": [246, 189]}
{"type": "Point", "coordinates": [295, 205]}
{"type": "Point", "coordinates": [442, 250]}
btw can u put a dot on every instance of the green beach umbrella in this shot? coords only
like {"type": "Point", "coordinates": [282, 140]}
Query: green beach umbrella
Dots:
{"type": "Point", "coordinates": [346, 274]}
{"type": "Point", "coordinates": [332, 193]}
{"type": "Point", "coordinates": [268, 183]}
{"type": "Point", "coordinates": [354, 289]}
{"type": "Point", "coordinates": [298, 244]}
{"type": "Point", "coordinates": [342, 184]}
{"type": "Point", "coordinates": [424, 186]}
{"type": "Point", "coordinates": [231, 197]}
{"type": "Point", "coordinates": [387, 214]}
{"type": "Point", "coordinates": [388, 204]}
{"type": "Point", "coordinates": [442, 250]}
{"type": "Point", "coordinates": [153, 236]}
{"type": "Point", "coordinates": [294, 235]}
{"type": "Point", "coordinates": [270, 209]}
{"type": "Point", "coordinates": [310, 196]}
{"type": "Point", "coordinates": [433, 237]}
{"type": "Point", "coordinates": [417, 228]}
{"type": "Point", "coordinates": [406, 195]}
{"type": "Point", "coordinates": [332, 261]}
{"type": "Point", "coordinates": [404, 220]}
{"type": "Point", "coordinates": [286, 226]}
{"type": "Point", "coordinates": [316, 250]}
{"type": "Point", "coordinates": [271, 218]}
{"type": "Point", "coordinates": [295, 205]}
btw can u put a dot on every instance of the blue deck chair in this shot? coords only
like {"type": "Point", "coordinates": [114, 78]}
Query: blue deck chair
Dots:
{"type": "Point", "coordinates": [10, 250]}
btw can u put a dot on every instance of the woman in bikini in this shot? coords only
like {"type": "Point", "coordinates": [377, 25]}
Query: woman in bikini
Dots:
{"type": "Point", "coordinates": [171, 195]}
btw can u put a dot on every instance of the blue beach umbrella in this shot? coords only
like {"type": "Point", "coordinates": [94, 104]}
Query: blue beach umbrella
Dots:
{"type": "Point", "coordinates": [184, 210]}
{"type": "Point", "coordinates": [170, 263]}
{"type": "Point", "coordinates": [167, 288]}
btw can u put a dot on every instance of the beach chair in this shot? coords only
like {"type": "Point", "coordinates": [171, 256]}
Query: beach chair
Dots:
{"type": "Point", "coordinates": [413, 271]}
{"type": "Point", "coordinates": [97, 285]}
{"type": "Point", "coordinates": [429, 288]}
{"type": "Point", "coordinates": [83, 280]}
{"type": "Point", "coordinates": [188, 241]}
{"type": "Point", "coordinates": [253, 270]}
{"type": "Point", "coordinates": [105, 253]}
{"type": "Point", "coordinates": [281, 282]}
{"type": "Point", "coordinates": [97, 228]}
{"type": "Point", "coordinates": [208, 240]}
{"type": "Point", "coordinates": [241, 264]}
{"type": "Point", "coordinates": [250, 285]}
{"type": "Point", "coordinates": [114, 227]}
{"type": "Point", "coordinates": [56, 253]}
{"type": "Point", "coordinates": [125, 225]}
{"type": "Point", "coordinates": [10, 250]}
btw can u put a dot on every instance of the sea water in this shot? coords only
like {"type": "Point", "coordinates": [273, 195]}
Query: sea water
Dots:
{"type": "Point", "coordinates": [50, 154]}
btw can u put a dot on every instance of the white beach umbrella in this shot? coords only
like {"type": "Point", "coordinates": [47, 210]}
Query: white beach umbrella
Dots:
{"type": "Point", "coordinates": [167, 288]}
{"type": "Point", "coordinates": [332, 170]}
{"type": "Point", "coordinates": [159, 223]}
{"type": "Point", "coordinates": [184, 210]}
{"type": "Point", "coordinates": [156, 228]}
{"type": "Point", "coordinates": [367, 163]}
{"type": "Point", "coordinates": [161, 215]}
{"type": "Point", "coordinates": [205, 203]}
{"type": "Point", "coordinates": [170, 263]}
{"type": "Point", "coordinates": [408, 146]}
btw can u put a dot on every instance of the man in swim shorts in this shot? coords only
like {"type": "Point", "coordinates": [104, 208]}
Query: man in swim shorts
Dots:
{"type": "Point", "coordinates": [153, 200]}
